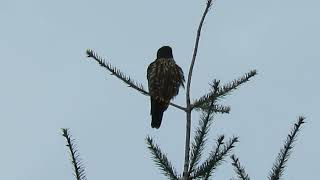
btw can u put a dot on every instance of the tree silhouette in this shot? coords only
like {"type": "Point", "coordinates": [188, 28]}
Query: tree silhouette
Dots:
{"type": "Point", "coordinates": [208, 106]}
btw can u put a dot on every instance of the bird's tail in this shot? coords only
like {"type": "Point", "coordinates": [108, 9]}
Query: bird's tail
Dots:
{"type": "Point", "coordinates": [157, 109]}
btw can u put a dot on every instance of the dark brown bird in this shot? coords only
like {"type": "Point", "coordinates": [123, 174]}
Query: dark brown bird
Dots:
{"type": "Point", "coordinates": [164, 80]}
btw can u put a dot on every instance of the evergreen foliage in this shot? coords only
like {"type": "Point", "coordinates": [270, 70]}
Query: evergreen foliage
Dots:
{"type": "Point", "coordinates": [283, 156]}
{"type": "Point", "coordinates": [78, 168]}
{"type": "Point", "coordinates": [161, 160]}
{"type": "Point", "coordinates": [239, 169]}
{"type": "Point", "coordinates": [208, 106]}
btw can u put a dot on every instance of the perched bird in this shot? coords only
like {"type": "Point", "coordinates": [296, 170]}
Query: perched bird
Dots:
{"type": "Point", "coordinates": [164, 80]}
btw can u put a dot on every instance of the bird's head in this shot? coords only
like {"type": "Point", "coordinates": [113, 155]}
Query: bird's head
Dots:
{"type": "Point", "coordinates": [164, 52]}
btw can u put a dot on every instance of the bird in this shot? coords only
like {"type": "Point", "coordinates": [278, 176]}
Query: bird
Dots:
{"type": "Point", "coordinates": [164, 80]}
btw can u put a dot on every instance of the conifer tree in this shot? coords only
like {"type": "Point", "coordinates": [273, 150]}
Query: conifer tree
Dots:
{"type": "Point", "coordinates": [207, 105]}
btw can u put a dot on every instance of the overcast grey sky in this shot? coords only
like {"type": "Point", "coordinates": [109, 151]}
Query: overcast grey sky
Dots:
{"type": "Point", "coordinates": [47, 83]}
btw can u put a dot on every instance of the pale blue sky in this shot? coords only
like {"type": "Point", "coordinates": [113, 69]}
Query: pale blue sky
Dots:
{"type": "Point", "coordinates": [47, 83]}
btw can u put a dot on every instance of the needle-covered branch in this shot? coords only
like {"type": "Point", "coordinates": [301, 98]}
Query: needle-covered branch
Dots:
{"type": "Point", "coordinates": [216, 157]}
{"type": "Point", "coordinates": [78, 167]}
{"type": "Point", "coordinates": [216, 108]}
{"type": "Point", "coordinates": [116, 72]}
{"type": "Point", "coordinates": [161, 160]}
{"type": "Point", "coordinates": [201, 133]}
{"type": "Point", "coordinates": [124, 78]}
{"type": "Point", "coordinates": [283, 156]}
{"type": "Point", "coordinates": [242, 175]}
{"type": "Point", "coordinates": [203, 101]}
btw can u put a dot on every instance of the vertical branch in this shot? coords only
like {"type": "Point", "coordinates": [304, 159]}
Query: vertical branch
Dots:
{"type": "Point", "coordinates": [187, 146]}
{"type": "Point", "coordinates": [188, 104]}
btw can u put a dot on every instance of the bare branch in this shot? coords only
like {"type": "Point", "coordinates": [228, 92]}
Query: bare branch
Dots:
{"type": "Point", "coordinates": [195, 51]}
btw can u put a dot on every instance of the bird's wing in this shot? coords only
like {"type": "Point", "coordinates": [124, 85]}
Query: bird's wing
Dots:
{"type": "Point", "coordinates": [181, 75]}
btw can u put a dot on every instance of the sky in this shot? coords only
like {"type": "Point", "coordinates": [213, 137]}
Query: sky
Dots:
{"type": "Point", "coordinates": [47, 83]}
